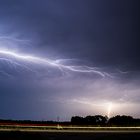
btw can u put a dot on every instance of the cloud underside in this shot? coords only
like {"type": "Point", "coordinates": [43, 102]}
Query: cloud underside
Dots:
{"type": "Point", "coordinates": [84, 56]}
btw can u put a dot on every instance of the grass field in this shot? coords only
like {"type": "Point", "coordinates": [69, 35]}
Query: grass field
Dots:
{"type": "Point", "coordinates": [66, 127]}
{"type": "Point", "coordinates": [17, 132]}
{"type": "Point", "coordinates": [55, 132]}
{"type": "Point", "coordinates": [24, 135]}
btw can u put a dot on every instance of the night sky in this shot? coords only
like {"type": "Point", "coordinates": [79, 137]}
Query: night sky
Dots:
{"type": "Point", "coordinates": [69, 57]}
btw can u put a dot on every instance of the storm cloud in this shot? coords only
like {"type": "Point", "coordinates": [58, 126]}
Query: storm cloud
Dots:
{"type": "Point", "coordinates": [94, 47]}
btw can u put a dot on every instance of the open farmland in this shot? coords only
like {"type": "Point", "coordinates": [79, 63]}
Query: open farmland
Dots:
{"type": "Point", "coordinates": [54, 132]}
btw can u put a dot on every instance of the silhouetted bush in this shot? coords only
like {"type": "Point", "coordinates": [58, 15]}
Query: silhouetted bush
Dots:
{"type": "Point", "coordinates": [121, 120]}
{"type": "Point", "coordinates": [97, 120]}
{"type": "Point", "coordinates": [89, 120]}
{"type": "Point", "coordinates": [77, 120]}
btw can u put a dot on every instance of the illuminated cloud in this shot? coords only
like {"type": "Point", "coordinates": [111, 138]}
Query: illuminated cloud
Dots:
{"type": "Point", "coordinates": [7, 55]}
{"type": "Point", "coordinates": [61, 58]}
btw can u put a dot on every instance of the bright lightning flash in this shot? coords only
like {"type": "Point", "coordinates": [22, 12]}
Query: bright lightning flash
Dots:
{"type": "Point", "coordinates": [54, 63]}
{"type": "Point", "coordinates": [109, 109]}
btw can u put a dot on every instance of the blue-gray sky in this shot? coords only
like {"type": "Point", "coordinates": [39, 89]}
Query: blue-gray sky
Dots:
{"type": "Point", "coordinates": [69, 57]}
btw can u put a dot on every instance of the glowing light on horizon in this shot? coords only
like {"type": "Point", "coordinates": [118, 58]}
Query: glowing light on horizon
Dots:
{"type": "Point", "coordinates": [109, 109]}
{"type": "Point", "coordinates": [105, 107]}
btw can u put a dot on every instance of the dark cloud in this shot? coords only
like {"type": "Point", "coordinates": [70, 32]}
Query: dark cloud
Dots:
{"type": "Point", "coordinates": [100, 33]}
{"type": "Point", "coordinates": [94, 30]}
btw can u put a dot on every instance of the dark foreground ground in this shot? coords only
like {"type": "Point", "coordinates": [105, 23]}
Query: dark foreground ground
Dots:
{"type": "Point", "coordinates": [25, 135]}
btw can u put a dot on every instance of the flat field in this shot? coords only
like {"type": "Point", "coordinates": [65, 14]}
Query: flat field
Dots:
{"type": "Point", "coordinates": [57, 135]}
{"type": "Point", "coordinates": [68, 133]}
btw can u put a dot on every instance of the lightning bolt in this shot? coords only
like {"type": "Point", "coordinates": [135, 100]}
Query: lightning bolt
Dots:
{"type": "Point", "coordinates": [5, 38]}
{"type": "Point", "coordinates": [102, 104]}
{"type": "Point", "coordinates": [109, 110]}
{"type": "Point", "coordinates": [48, 62]}
{"type": "Point", "coordinates": [14, 64]}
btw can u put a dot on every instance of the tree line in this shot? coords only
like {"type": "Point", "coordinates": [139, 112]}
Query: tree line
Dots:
{"type": "Point", "coordinates": [99, 120]}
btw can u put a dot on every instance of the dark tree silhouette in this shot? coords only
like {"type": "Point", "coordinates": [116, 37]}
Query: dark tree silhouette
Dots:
{"type": "Point", "coordinates": [97, 120]}
{"type": "Point", "coordinates": [77, 120]}
{"type": "Point", "coordinates": [121, 120]}
{"type": "Point", "coordinates": [89, 120]}
{"type": "Point", "coordinates": [101, 120]}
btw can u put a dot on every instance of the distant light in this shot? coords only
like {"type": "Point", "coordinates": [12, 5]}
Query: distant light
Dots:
{"type": "Point", "coordinates": [109, 109]}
